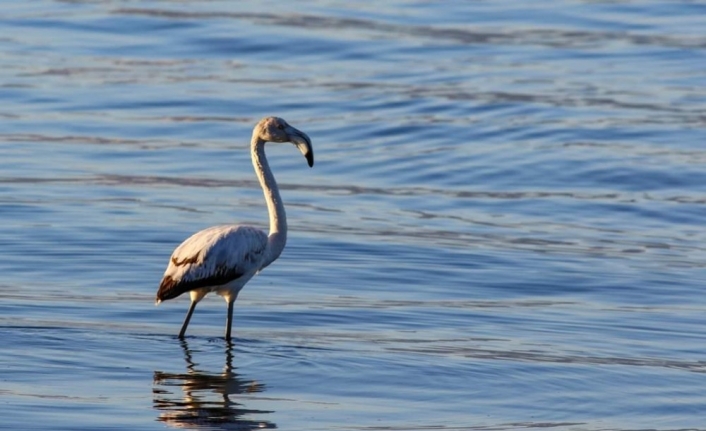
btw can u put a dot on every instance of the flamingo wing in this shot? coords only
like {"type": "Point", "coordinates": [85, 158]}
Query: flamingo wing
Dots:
{"type": "Point", "coordinates": [213, 257]}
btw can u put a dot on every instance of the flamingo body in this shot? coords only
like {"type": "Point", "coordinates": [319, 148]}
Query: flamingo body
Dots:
{"type": "Point", "coordinates": [218, 259]}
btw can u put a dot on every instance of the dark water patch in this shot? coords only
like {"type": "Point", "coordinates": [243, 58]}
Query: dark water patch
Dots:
{"type": "Point", "coordinates": [551, 38]}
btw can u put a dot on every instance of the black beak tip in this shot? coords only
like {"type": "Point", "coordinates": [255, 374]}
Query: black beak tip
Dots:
{"type": "Point", "coordinates": [310, 159]}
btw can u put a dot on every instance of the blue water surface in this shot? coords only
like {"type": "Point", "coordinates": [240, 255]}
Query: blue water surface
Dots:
{"type": "Point", "coordinates": [502, 230]}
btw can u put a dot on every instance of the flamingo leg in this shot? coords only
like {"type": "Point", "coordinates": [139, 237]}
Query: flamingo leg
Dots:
{"type": "Point", "coordinates": [187, 319]}
{"type": "Point", "coordinates": [229, 320]}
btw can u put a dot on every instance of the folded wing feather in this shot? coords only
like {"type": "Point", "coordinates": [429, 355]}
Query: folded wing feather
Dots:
{"type": "Point", "coordinates": [213, 257]}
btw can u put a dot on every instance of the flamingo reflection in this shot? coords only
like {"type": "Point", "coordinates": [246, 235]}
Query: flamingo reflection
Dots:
{"type": "Point", "coordinates": [203, 400]}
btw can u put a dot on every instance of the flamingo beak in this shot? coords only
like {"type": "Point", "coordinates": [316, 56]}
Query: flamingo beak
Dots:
{"type": "Point", "coordinates": [302, 142]}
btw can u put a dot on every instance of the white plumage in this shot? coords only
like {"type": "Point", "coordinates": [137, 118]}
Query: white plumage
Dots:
{"type": "Point", "coordinates": [223, 258]}
{"type": "Point", "coordinates": [215, 256]}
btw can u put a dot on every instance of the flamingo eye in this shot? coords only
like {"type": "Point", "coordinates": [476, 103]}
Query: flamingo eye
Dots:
{"type": "Point", "coordinates": [280, 126]}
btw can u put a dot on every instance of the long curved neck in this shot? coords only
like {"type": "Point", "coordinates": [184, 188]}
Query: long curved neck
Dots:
{"type": "Point", "coordinates": [278, 218]}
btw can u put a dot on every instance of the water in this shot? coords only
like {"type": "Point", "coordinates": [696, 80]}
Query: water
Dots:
{"type": "Point", "coordinates": [503, 229]}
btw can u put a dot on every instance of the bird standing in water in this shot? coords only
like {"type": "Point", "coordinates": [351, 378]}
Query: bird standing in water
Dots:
{"type": "Point", "coordinates": [223, 258]}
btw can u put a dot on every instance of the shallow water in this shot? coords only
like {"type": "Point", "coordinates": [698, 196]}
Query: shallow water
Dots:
{"type": "Point", "coordinates": [503, 228]}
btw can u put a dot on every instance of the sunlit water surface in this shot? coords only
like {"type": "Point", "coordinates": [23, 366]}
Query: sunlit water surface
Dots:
{"type": "Point", "coordinates": [503, 230]}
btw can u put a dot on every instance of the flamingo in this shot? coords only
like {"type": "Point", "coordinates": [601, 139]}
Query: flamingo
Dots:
{"type": "Point", "coordinates": [222, 259]}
